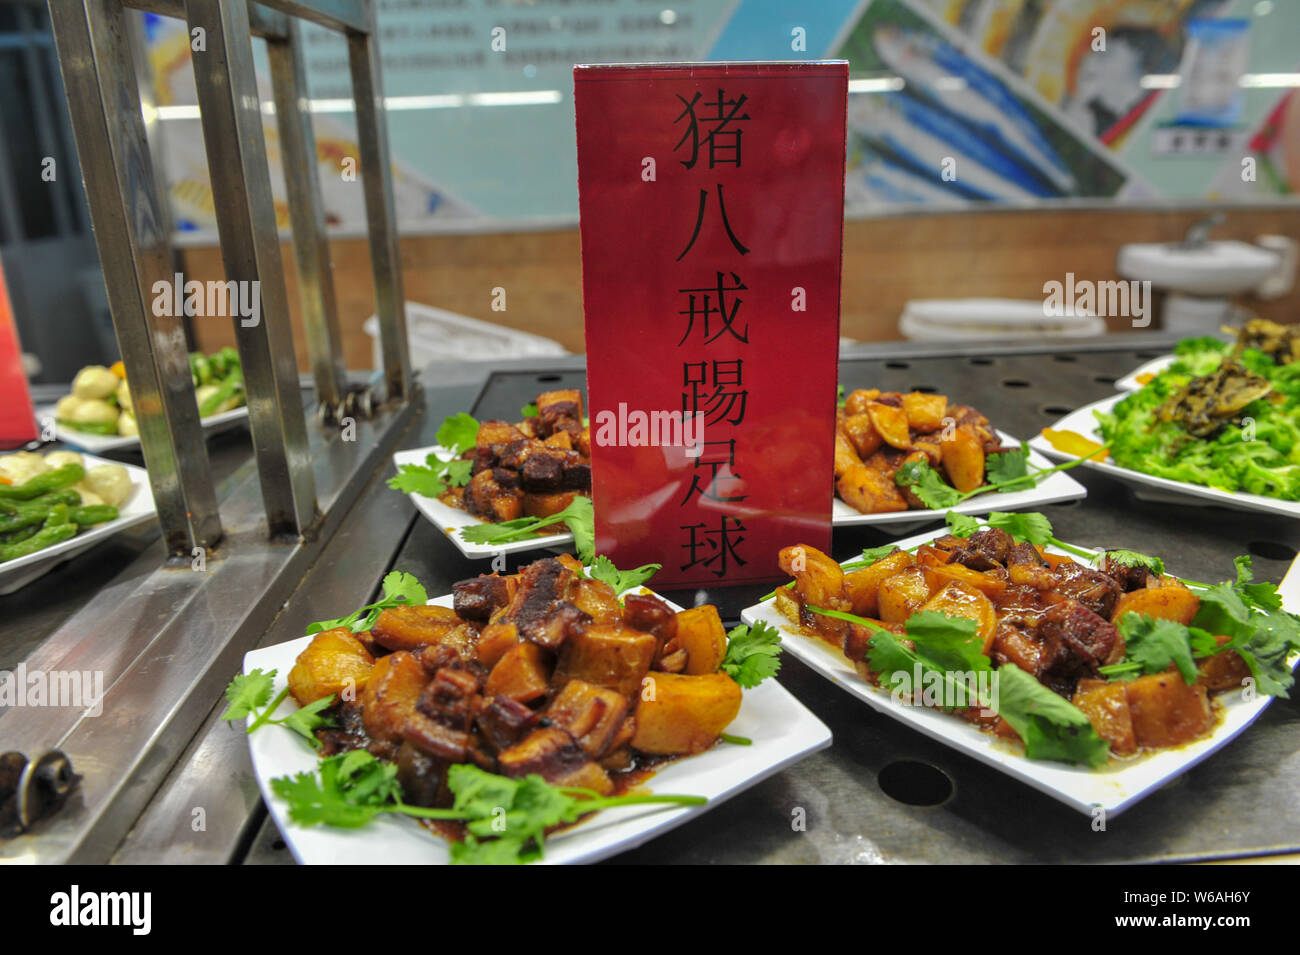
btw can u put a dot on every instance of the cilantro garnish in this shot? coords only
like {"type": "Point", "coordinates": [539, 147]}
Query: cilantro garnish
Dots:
{"type": "Point", "coordinates": [1004, 471]}
{"type": "Point", "coordinates": [399, 589]}
{"type": "Point", "coordinates": [457, 435]}
{"type": "Point", "coordinates": [249, 692]}
{"type": "Point", "coordinates": [506, 819]}
{"type": "Point", "coordinates": [753, 654]}
{"type": "Point", "coordinates": [603, 569]}
{"type": "Point", "coordinates": [579, 517]}
{"type": "Point", "coordinates": [1131, 558]}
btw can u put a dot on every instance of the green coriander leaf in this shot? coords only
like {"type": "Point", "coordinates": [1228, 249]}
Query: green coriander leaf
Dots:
{"type": "Point", "coordinates": [925, 483]}
{"type": "Point", "coordinates": [1031, 528]}
{"type": "Point", "coordinates": [952, 643]}
{"type": "Point", "coordinates": [403, 588]}
{"type": "Point", "coordinates": [962, 525]}
{"type": "Point", "coordinates": [504, 850]}
{"type": "Point", "coordinates": [457, 473]}
{"type": "Point", "coordinates": [1155, 644]}
{"type": "Point", "coordinates": [753, 654]}
{"type": "Point", "coordinates": [839, 396]}
{"type": "Point", "coordinates": [419, 479]}
{"type": "Point", "coordinates": [603, 569]}
{"type": "Point", "coordinates": [1050, 726]}
{"type": "Point", "coordinates": [1131, 558]}
{"type": "Point", "coordinates": [307, 719]}
{"type": "Point", "coordinates": [316, 800]}
{"type": "Point", "coordinates": [1203, 642]}
{"type": "Point", "coordinates": [458, 433]}
{"type": "Point", "coordinates": [1010, 469]}
{"type": "Point", "coordinates": [528, 411]}
{"type": "Point", "coordinates": [248, 692]}
{"type": "Point", "coordinates": [870, 555]}
{"type": "Point", "coordinates": [1264, 596]}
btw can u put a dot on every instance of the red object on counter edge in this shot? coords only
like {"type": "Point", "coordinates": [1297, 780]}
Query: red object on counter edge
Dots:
{"type": "Point", "coordinates": [17, 416]}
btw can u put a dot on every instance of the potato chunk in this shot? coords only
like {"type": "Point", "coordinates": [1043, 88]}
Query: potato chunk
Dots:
{"type": "Point", "coordinates": [902, 595]}
{"type": "Point", "coordinates": [335, 661]}
{"type": "Point", "coordinates": [701, 634]}
{"type": "Point", "coordinates": [1106, 706]}
{"type": "Point", "coordinates": [862, 587]}
{"type": "Point", "coordinates": [1175, 603]}
{"type": "Point", "coordinates": [609, 655]}
{"type": "Point", "coordinates": [891, 423]}
{"type": "Point", "coordinates": [925, 413]}
{"type": "Point", "coordinates": [683, 715]}
{"type": "Point", "coordinates": [963, 459]}
{"type": "Point", "coordinates": [390, 695]}
{"type": "Point", "coordinates": [863, 434]}
{"type": "Point", "coordinates": [957, 599]}
{"type": "Point", "coordinates": [818, 578]}
{"type": "Point", "coordinates": [1166, 711]}
{"type": "Point", "coordinates": [409, 628]}
{"type": "Point", "coordinates": [870, 491]}
{"type": "Point", "coordinates": [523, 674]}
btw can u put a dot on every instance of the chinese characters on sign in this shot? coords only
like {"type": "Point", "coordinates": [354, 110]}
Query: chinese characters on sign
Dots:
{"type": "Point", "coordinates": [711, 207]}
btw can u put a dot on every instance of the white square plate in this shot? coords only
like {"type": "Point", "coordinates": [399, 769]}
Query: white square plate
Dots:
{"type": "Point", "coordinates": [1083, 421]}
{"type": "Point", "coordinates": [451, 520]}
{"type": "Point", "coordinates": [782, 729]}
{"type": "Point", "coordinates": [1114, 787]}
{"type": "Point", "coordinates": [97, 443]}
{"type": "Point", "coordinates": [137, 508]}
{"type": "Point", "coordinates": [1056, 487]}
{"type": "Point", "coordinates": [1053, 489]}
{"type": "Point", "coordinates": [1136, 379]}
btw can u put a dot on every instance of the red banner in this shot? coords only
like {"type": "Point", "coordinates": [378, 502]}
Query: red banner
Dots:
{"type": "Point", "coordinates": [17, 418]}
{"type": "Point", "coordinates": [711, 200]}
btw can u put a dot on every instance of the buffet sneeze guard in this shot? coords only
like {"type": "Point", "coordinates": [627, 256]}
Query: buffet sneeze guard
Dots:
{"type": "Point", "coordinates": [165, 624]}
{"type": "Point", "coordinates": [130, 223]}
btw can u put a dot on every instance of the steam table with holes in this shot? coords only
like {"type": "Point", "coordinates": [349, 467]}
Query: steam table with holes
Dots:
{"type": "Point", "coordinates": [881, 793]}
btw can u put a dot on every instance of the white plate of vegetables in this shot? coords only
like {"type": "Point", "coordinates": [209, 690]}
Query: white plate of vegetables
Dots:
{"type": "Point", "coordinates": [98, 414]}
{"type": "Point", "coordinates": [343, 809]}
{"type": "Point", "coordinates": [1070, 761]}
{"type": "Point", "coordinates": [58, 504]}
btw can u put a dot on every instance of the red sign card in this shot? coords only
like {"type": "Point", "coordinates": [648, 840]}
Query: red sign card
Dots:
{"type": "Point", "coordinates": [712, 200]}
{"type": "Point", "coordinates": [17, 419]}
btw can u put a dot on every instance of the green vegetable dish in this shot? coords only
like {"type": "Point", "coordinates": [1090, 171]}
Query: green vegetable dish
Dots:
{"type": "Point", "coordinates": [100, 402]}
{"type": "Point", "coordinates": [533, 701]}
{"type": "Point", "coordinates": [1223, 415]}
{"type": "Point", "coordinates": [48, 499]}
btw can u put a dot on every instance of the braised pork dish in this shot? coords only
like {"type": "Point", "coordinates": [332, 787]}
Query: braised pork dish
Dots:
{"type": "Point", "coordinates": [541, 672]}
{"type": "Point", "coordinates": [1093, 662]}
{"type": "Point", "coordinates": [530, 468]}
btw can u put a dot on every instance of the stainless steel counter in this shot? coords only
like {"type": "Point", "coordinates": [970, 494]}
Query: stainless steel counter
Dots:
{"type": "Point", "coordinates": [1240, 802]}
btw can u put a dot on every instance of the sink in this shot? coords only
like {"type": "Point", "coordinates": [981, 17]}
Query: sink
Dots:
{"type": "Point", "coordinates": [1219, 269]}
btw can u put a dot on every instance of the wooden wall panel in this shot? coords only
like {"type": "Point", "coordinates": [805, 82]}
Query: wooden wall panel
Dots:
{"type": "Point", "coordinates": [886, 263]}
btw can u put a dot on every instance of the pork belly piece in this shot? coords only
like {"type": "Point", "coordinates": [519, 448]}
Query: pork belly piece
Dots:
{"type": "Point", "coordinates": [486, 498]}
{"type": "Point", "coordinates": [504, 722]}
{"type": "Point", "coordinates": [423, 778]}
{"type": "Point", "coordinates": [390, 695]}
{"type": "Point", "coordinates": [475, 599]}
{"type": "Point", "coordinates": [560, 411]}
{"type": "Point", "coordinates": [593, 716]}
{"type": "Point", "coordinates": [453, 697]}
{"type": "Point", "coordinates": [1128, 578]}
{"type": "Point", "coordinates": [1092, 588]}
{"type": "Point", "coordinates": [985, 549]}
{"type": "Point", "coordinates": [649, 614]}
{"type": "Point", "coordinates": [497, 432]}
{"type": "Point", "coordinates": [554, 628]}
{"type": "Point", "coordinates": [555, 756]}
{"type": "Point", "coordinates": [1075, 643]}
{"type": "Point", "coordinates": [1026, 566]}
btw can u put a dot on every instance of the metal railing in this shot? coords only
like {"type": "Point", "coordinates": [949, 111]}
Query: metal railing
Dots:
{"type": "Point", "coordinates": [99, 65]}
